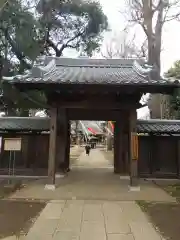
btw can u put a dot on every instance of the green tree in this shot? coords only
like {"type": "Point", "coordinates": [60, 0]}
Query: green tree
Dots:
{"type": "Point", "coordinates": [174, 72]}
{"type": "Point", "coordinates": [19, 46]}
{"type": "Point", "coordinates": [24, 35]}
{"type": "Point", "coordinates": [71, 24]}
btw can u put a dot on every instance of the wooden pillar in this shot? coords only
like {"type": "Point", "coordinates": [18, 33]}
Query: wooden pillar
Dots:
{"type": "Point", "coordinates": [133, 150]}
{"type": "Point", "coordinates": [178, 157]}
{"type": "Point", "coordinates": [118, 146]}
{"type": "Point", "coordinates": [67, 153]}
{"type": "Point", "coordinates": [24, 151]}
{"type": "Point", "coordinates": [62, 131]}
{"type": "Point", "coordinates": [52, 148]}
{"type": "Point", "coordinates": [126, 144]}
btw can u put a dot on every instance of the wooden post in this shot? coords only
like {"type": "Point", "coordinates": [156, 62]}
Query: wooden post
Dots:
{"type": "Point", "coordinates": [133, 150]}
{"type": "Point", "coordinates": [67, 153]}
{"type": "Point", "coordinates": [62, 131]}
{"type": "Point", "coordinates": [25, 142]}
{"type": "Point", "coordinates": [52, 149]}
{"type": "Point", "coordinates": [118, 146]}
{"type": "Point", "coordinates": [178, 158]}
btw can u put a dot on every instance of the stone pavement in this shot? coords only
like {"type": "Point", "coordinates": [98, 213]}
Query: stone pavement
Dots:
{"type": "Point", "coordinates": [92, 203]}
{"type": "Point", "coordinates": [92, 220]}
{"type": "Point", "coordinates": [95, 160]}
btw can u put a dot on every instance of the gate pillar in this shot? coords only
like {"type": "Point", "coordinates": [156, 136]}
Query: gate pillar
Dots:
{"type": "Point", "coordinates": [62, 143]}
{"type": "Point", "coordinates": [52, 149]}
{"type": "Point", "coordinates": [68, 142]}
{"type": "Point", "coordinates": [118, 145]}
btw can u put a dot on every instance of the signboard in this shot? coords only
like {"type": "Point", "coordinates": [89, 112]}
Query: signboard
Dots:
{"type": "Point", "coordinates": [0, 144]}
{"type": "Point", "coordinates": [12, 144]}
{"type": "Point", "coordinates": [134, 146]}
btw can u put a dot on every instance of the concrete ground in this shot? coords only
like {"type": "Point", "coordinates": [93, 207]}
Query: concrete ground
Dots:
{"type": "Point", "coordinates": [92, 203]}
{"type": "Point", "coordinates": [92, 178]}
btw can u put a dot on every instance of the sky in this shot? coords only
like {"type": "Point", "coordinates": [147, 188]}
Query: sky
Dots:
{"type": "Point", "coordinates": [170, 44]}
{"type": "Point", "coordinates": [171, 37]}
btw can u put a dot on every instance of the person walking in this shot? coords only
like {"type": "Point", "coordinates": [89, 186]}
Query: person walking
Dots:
{"type": "Point", "coordinates": [87, 148]}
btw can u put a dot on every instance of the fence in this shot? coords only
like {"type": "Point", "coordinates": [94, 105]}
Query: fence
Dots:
{"type": "Point", "coordinates": [159, 156]}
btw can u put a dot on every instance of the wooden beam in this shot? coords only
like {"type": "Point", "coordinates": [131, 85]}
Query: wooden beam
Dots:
{"type": "Point", "coordinates": [99, 104]}
{"type": "Point", "coordinates": [52, 146]}
{"type": "Point", "coordinates": [93, 114]}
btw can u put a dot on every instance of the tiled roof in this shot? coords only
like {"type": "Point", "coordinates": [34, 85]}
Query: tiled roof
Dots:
{"type": "Point", "coordinates": [18, 124]}
{"type": "Point", "coordinates": [51, 70]}
{"type": "Point", "coordinates": [92, 125]}
{"type": "Point", "coordinates": [158, 126]}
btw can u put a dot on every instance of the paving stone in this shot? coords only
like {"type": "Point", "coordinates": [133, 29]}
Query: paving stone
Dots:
{"type": "Point", "coordinates": [90, 235]}
{"type": "Point", "coordinates": [111, 209]}
{"type": "Point", "coordinates": [72, 214]}
{"type": "Point", "coordinates": [47, 226]}
{"type": "Point", "coordinates": [64, 235]}
{"type": "Point", "coordinates": [114, 218]}
{"type": "Point", "coordinates": [132, 212]}
{"type": "Point", "coordinates": [74, 202]}
{"type": "Point", "coordinates": [93, 226]}
{"type": "Point", "coordinates": [93, 212]}
{"type": "Point", "coordinates": [57, 201]}
{"type": "Point", "coordinates": [52, 211]}
{"type": "Point", "coordinates": [143, 231]}
{"type": "Point", "coordinates": [38, 236]}
{"type": "Point", "coordinates": [69, 225]}
{"type": "Point", "coordinates": [120, 237]}
{"type": "Point", "coordinates": [117, 226]}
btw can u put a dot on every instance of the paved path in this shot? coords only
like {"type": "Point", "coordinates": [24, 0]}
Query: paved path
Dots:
{"type": "Point", "coordinates": [91, 178]}
{"type": "Point", "coordinates": [92, 220]}
{"type": "Point", "coordinates": [106, 210]}
{"type": "Point", "coordinates": [95, 160]}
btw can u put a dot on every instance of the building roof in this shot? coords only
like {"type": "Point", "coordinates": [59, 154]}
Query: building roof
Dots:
{"type": "Point", "coordinates": [38, 124]}
{"type": "Point", "coordinates": [53, 70]}
{"type": "Point", "coordinates": [158, 126]}
{"type": "Point", "coordinates": [23, 124]}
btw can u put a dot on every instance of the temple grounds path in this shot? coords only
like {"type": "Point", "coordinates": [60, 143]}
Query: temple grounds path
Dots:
{"type": "Point", "coordinates": [91, 203]}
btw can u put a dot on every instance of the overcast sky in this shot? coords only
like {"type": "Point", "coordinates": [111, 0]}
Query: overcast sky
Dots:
{"type": "Point", "coordinates": [171, 37]}
{"type": "Point", "coordinates": [171, 33]}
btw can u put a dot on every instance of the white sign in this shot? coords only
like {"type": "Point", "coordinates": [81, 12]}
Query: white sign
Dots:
{"type": "Point", "coordinates": [12, 144]}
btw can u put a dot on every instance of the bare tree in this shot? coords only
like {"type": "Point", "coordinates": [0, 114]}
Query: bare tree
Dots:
{"type": "Point", "coordinates": [122, 46]}
{"type": "Point", "coordinates": [151, 15]}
